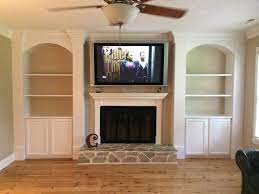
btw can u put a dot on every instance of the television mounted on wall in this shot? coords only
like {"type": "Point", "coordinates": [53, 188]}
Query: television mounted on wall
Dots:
{"type": "Point", "coordinates": [129, 63]}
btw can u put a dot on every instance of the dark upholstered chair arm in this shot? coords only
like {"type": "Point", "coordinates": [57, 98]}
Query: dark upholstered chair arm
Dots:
{"type": "Point", "coordinates": [248, 162]}
{"type": "Point", "coordinates": [243, 160]}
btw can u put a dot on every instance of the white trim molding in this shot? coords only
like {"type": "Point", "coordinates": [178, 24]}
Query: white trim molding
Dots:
{"type": "Point", "coordinates": [128, 96]}
{"type": "Point", "coordinates": [18, 100]}
{"type": "Point", "coordinates": [255, 140]}
{"type": "Point", "coordinates": [7, 161]}
{"type": "Point", "coordinates": [180, 152]}
{"type": "Point", "coordinates": [232, 44]}
{"type": "Point", "coordinates": [252, 32]}
{"type": "Point", "coordinates": [72, 41]}
{"type": "Point", "coordinates": [129, 37]}
{"type": "Point", "coordinates": [77, 39]}
{"type": "Point", "coordinates": [129, 99]}
{"type": "Point", "coordinates": [33, 38]}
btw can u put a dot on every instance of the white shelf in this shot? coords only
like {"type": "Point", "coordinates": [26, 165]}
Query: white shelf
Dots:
{"type": "Point", "coordinates": [43, 95]}
{"type": "Point", "coordinates": [48, 117]}
{"type": "Point", "coordinates": [208, 75]}
{"type": "Point", "coordinates": [48, 85]}
{"type": "Point", "coordinates": [208, 95]}
{"type": "Point", "coordinates": [49, 74]}
{"type": "Point", "coordinates": [202, 116]}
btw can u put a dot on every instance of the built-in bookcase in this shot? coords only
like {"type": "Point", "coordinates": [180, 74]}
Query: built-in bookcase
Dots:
{"type": "Point", "coordinates": [48, 81]}
{"type": "Point", "coordinates": [208, 83]}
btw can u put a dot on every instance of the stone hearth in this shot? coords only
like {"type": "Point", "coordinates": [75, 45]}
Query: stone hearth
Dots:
{"type": "Point", "coordinates": [128, 154]}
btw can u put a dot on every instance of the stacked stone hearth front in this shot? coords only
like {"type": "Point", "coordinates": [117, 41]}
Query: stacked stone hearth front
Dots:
{"type": "Point", "coordinates": [128, 154]}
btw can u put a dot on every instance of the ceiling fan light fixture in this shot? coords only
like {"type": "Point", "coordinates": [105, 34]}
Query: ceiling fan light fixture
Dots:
{"type": "Point", "coordinates": [119, 14]}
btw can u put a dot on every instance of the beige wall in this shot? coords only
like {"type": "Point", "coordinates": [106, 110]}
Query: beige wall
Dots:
{"type": "Point", "coordinates": [250, 90]}
{"type": "Point", "coordinates": [6, 109]}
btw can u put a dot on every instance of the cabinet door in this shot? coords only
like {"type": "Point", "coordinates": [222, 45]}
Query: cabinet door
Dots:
{"type": "Point", "coordinates": [37, 136]}
{"type": "Point", "coordinates": [61, 137]}
{"type": "Point", "coordinates": [196, 137]}
{"type": "Point", "coordinates": [219, 136]}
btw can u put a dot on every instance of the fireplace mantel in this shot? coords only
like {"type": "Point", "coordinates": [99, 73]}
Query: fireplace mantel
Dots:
{"type": "Point", "coordinates": [139, 96]}
{"type": "Point", "coordinates": [129, 99]}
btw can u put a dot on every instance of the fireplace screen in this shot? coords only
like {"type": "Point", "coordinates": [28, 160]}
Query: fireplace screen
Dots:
{"type": "Point", "coordinates": [128, 124]}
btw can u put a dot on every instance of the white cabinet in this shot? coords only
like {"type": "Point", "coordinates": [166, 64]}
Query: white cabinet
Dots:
{"type": "Point", "coordinates": [48, 138]}
{"type": "Point", "coordinates": [61, 137]}
{"type": "Point", "coordinates": [37, 137]}
{"type": "Point", "coordinates": [196, 136]}
{"type": "Point", "coordinates": [219, 136]}
{"type": "Point", "coordinates": [208, 137]}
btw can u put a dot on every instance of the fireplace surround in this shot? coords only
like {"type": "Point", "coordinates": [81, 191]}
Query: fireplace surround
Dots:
{"type": "Point", "coordinates": [128, 100]}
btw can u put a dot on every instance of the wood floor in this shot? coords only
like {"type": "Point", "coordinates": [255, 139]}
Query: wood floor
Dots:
{"type": "Point", "coordinates": [197, 176]}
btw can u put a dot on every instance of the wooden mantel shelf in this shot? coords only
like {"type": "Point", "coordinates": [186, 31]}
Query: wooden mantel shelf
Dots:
{"type": "Point", "coordinates": [139, 96]}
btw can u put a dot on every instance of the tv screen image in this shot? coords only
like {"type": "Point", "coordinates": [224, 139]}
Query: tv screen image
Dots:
{"type": "Point", "coordinates": [129, 64]}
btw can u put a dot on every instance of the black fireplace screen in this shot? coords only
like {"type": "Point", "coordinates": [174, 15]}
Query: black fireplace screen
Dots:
{"type": "Point", "coordinates": [122, 124]}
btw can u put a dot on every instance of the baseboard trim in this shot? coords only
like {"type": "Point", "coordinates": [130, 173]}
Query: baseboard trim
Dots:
{"type": "Point", "coordinates": [76, 151]}
{"type": "Point", "coordinates": [180, 152]}
{"type": "Point", "coordinates": [7, 161]}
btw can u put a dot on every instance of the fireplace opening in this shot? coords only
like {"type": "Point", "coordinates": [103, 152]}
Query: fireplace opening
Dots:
{"type": "Point", "coordinates": [128, 124]}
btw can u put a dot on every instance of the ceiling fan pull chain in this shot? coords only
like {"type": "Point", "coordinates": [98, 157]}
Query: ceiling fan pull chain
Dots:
{"type": "Point", "coordinates": [120, 34]}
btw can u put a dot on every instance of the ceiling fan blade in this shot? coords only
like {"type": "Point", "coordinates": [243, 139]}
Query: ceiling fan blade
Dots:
{"type": "Point", "coordinates": [75, 8]}
{"type": "Point", "coordinates": [161, 11]}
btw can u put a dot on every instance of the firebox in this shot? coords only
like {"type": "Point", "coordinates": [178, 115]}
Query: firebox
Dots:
{"type": "Point", "coordinates": [128, 124]}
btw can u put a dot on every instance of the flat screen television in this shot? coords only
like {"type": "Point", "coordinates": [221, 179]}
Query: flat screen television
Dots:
{"type": "Point", "coordinates": [129, 63]}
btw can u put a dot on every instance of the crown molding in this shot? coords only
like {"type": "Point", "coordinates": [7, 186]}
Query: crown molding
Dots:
{"type": "Point", "coordinates": [252, 32]}
{"type": "Point", "coordinates": [46, 32]}
{"type": "Point", "coordinates": [77, 32]}
{"type": "Point", "coordinates": [80, 35]}
{"type": "Point", "coordinates": [130, 36]}
{"type": "Point", "coordinates": [205, 35]}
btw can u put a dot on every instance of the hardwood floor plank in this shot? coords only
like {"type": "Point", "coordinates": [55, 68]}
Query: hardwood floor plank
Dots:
{"type": "Point", "coordinates": [191, 176]}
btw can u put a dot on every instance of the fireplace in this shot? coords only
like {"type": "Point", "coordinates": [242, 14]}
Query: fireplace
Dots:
{"type": "Point", "coordinates": [128, 124]}
{"type": "Point", "coordinates": [128, 100]}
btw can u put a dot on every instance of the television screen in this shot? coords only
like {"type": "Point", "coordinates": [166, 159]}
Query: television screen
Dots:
{"type": "Point", "coordinates": [129, 64]}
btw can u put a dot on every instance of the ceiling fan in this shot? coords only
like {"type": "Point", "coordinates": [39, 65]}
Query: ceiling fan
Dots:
{"type": "Point", "coordinates": [120, 12]}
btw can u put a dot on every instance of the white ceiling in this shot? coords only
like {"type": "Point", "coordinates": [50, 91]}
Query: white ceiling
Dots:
{"type": "Point", "coordinates": [203, 15]}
